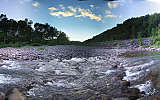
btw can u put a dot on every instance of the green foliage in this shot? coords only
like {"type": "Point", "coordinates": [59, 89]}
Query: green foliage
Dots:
{"type": "Point", "coordinates": [62, 39]}
{"type": "Point", "coordinates": [15, 33]}
{"type": "Point", "coordinates": [16, 45]}
{"type": "Point", "coordinates": [41, 48]}
{"type": "Point", "coordinates": [140, 38]}
{"type": "Point", "coordinates": [146, 46]}
{"type": "Point", "coordinates": [129, 29]}
{"type": "Point", "coordinates": [34, 44]}
{"type": "Point", "coordinates": [121, 44]}
{"type": "Point", "coordinates": [157, 44]}
{"type": "Point", "coordinates": [156, 36]}
{"type": "Point", "coordinates": [132, 41]}
{"type": "Point", "coordinates": [115, 43]}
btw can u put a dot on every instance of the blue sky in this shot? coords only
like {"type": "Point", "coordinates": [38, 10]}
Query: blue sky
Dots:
{"type": "Point", "coordinates": [81, 20]}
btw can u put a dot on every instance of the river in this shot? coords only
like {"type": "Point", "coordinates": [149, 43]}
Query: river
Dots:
{"type": "Point", "coordinates": [75, 72]}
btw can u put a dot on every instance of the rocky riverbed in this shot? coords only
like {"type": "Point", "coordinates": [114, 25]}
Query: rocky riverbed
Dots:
{"type": "Point", "coordinates": [78, 73]}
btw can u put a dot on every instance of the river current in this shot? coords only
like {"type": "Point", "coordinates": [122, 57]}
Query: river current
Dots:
{"type": "Point", "coordinates": [80, 77]}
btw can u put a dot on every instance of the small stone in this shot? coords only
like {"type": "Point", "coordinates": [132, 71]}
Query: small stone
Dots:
{"type": "Point", "coordinates": [121, 75]}
{"type": "Point", "coordinates": [93, 98]}
{"type": "Point", "coordinates": [142, 92]}
{"type": "Point", "coordinates": [134, 90]}
{"type": "Point", "coordinates": [125, 83]}
{"type": "Point", "coordinates": [100, 97]}
{"type": "Point", "coordinates": [133, 93]}
{"type": "Point", "coordinates": [105, 97]}
{"type": "Point", "coordinates": [123, 98]}
{"type": "Point", "coordinates": [115, 66]}
{"type": "Point", "coordinates": [1, 60]}
{"type": "Point", "coordinates": [16, 95]}
{"type": "Point", "coordinates": [155, 72]}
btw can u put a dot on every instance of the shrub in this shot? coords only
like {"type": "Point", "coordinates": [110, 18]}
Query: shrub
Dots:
{"type": "Point", "coordinates": [41, 48]}
{"type": "Point", "coordinates": [140, 39]}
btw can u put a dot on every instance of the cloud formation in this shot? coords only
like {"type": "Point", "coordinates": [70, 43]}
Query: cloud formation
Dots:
{"type": "Point", "coordinates": [154, 1]}
{"type": "Point", "coordinates": [75, 12]}
{"type": "Point", "coordinates": [36, 4]}
{"type": "Point", "coordinates": [110, 16]}
{"type": "Point", "coordinates": [61, 13]}
{"type": "Point", "coordinates": [91, 6]}
{"type": "Point", "coordinates": [72, 9]}
{"type": "Point", "coordinates": [112, 5]}
{"type": "Point", "coordinates": [88, 13]}
{"type": "Point", "coordinates": [62, 7]}
{"type": "Point", "coordinates": [108, 12]}
{"type": "Point", "coordinates": [52, 8]}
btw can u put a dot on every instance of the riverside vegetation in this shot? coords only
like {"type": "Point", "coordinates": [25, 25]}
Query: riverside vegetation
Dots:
{"type": "Point", "coordinates": [24, 33]}
{"type": "Point", "coordinates": [139, 27]}
{"type": "Point", "coordinates": [20, 33]}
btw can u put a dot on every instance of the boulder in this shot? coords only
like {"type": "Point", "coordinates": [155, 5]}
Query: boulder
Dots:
{"type": "Point", "coordinates": [134, 90]}
{"type": "Point", "coordinates": [1, 60]}
{"type": "Point", "coordinates": [121, 75]}
{"type": "Point", "coordinates": [2, 96]}
{"type": "Point", "coordinates": [133, 94]}
{"type": "Point", "coordinates": [125, 83]}
{"type": "Point", "coordinates": [16, 95]}
{"type": "Point", "coordinates": [115, 66]}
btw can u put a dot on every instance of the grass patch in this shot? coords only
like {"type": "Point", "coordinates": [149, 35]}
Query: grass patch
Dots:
{"type": "Point", "coordinates": [41, 48]}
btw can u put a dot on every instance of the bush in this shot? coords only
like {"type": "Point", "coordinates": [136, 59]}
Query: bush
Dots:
{"type": "Point", "coordinates": [41, 48]}
{"type": "Point", "coordinates": [51, 43]}
{"type": "Point", "coordinates": [132, 42]}
{"type": "Point", "coordinates": [157, 44]}
{"type": "Point", "coordinates": [114, 43]}
{"type": "Point", "coordinates": [140, 39]}
{"type": "Point", "coordinates": [34, 44]}
{"type": "Point", "coordinates": [146, 46]}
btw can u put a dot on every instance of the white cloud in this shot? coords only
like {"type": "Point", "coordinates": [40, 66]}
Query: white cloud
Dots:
{"type": "Point", "coordinates": [61, 13]}
{"type": "Point", "coordinates": [72, 9]}
{"type": "Point", "coordinates": [75, 12]}
{"type": "Point", "coordinates": [112, 5]}
{"type": "Point", "coordinates": [62, 7]}
{"type": "Point", "coordinates": [88, 13]}
{"type": "Point", "coordinates": [108, 12]}
{"type": "Point", "coordinates": [110, 16]}
{"type": "Point", "coordinates": [91, 6]}
{"type": "Point", "coordinates": [154, 1]}
{"type": "Point", "coordinates": [23, 1]}
{"type": "Point", "coordinates": [36, 4]}
{"type": "Point", "coordinates": [52, 8]}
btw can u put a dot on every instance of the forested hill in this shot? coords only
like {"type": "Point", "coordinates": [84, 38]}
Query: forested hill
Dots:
{"type": "Point", "coordinates": [12, 31]}
{"type": "Point", "coordinates": [129, 29]}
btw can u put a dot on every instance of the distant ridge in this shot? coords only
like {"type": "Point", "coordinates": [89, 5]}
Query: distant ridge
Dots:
{"type": "Point", "coordinates": [129, 29]}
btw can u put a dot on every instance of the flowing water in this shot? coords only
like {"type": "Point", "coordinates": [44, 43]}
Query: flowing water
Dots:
{"type": "Point", "coordinates": [79, 78]}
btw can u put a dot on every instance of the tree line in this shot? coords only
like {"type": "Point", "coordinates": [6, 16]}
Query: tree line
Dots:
{"type": "Point", "coordinates": [12, 31]}
{"type": "Point", "coordinates": [129, 29]}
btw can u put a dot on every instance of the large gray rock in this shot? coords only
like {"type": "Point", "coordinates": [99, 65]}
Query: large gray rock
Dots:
{"type": "Point", "coordinates": [2, 96]}
{"type": "Point", "coordinates": [16, 95]}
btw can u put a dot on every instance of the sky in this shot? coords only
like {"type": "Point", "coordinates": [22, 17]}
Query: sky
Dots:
{"type": "Point", "coordinates": [80, 20]}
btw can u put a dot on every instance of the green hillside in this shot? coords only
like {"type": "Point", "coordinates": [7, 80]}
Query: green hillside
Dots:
{"type": "Point", "coordinates": [129, 29]}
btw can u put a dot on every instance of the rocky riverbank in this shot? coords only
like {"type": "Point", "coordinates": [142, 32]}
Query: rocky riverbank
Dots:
{"type": "Point", "coordinates": [73, 73]}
